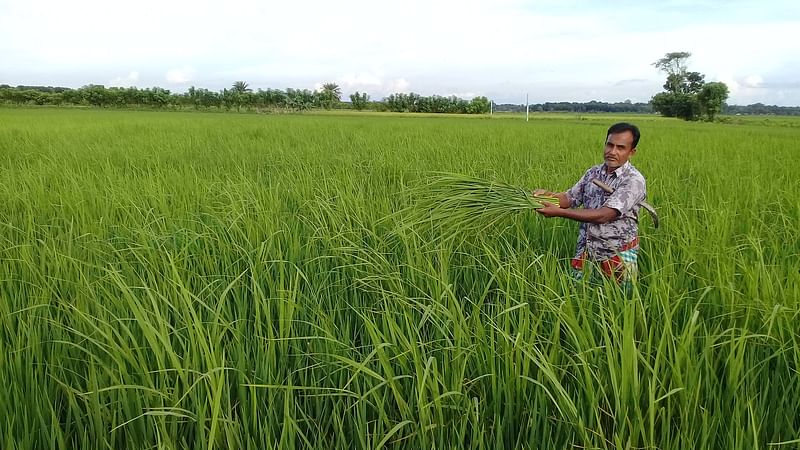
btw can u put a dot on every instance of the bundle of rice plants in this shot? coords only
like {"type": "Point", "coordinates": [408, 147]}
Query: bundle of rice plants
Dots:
{"type": "Point", "coordinates": [458, 202]}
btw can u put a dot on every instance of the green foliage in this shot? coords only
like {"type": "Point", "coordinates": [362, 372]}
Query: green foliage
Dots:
{"type": "Point", "coordinates": [299, 99]}
{"type": "Point", "coordinates": [592, 106]}
{"type": "Point", "coordinates": [272, 98]}
{"type": "Point", "coordinates": [359, 101]}
{"type": "Point", "coordinates": [460, 203]}
{"type": "Point", "coordinates": [240, 87]}
{"type": "Point", "coordinates": [96, 95]}
{"type": "Point", "coordinates": [686, 83]}
{"type": "Point", "coordinates": [684, 106]}
{"type": "Point", "coordinates": [673, 63]}
{"type": "Point", "coordinates": [760, 108]}
{"type": "Point", "coordinates": [687, 95]}
{"type": "Point", "coordinates": [712, 98]}
{"type": "Point", "coordinates": [239, 95]}
{"type": "Point", "coordinates": [330, 95]}
{"type": "Point", "coordinates": [202, 98]}
{"type": "Point", "coordinates": [478, 105]}
{"type": "Point", "coordinates": [413, 102]}
{"type": "Point", "coordinates": [693, 83]}
{"type": "Point", "coordinates": [193, 280]}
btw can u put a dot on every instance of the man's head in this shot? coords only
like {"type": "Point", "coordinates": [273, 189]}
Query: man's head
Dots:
{"type": "Point", "coordinates": [621, 141]}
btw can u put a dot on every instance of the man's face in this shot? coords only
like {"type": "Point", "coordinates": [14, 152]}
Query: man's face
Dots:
{"type": "Point", "coordinates": [619, 149]}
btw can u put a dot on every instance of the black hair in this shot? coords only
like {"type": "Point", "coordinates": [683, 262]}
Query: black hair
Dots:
{"type": "Point", "coordinates": [622, 127]}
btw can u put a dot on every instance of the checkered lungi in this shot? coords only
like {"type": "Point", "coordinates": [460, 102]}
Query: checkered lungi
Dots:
{"type": "Point", "coordinates": [622, 267]}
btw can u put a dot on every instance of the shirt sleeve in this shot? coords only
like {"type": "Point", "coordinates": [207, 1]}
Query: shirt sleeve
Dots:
{"type": "Point", "coordinates": [575, 193]}
{"type": "Point", "coordinates": [627, 195]}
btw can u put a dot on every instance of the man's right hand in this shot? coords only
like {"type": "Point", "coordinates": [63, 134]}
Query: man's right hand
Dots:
{"type": "Point", "coordinates": [550, 210]}
{"type": "Point", "coordinates": [563, 200]}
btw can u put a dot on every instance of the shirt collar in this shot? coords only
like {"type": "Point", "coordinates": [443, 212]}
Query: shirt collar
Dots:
{"type": "Point", "coordinates": [619, 170]}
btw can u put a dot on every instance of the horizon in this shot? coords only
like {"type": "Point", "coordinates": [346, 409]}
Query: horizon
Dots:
{"type": "Point", "coordinates": [345, 99]}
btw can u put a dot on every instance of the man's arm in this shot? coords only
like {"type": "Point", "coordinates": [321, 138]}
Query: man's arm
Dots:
{"type": "Point", "coordinates": [595, 215]}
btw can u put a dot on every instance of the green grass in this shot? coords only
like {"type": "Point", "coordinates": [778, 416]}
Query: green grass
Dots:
{"type": "Point", "coordinates": [190, 280]}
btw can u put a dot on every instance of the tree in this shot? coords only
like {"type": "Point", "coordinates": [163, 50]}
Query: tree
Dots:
{"type": "Point", "coordinates": [673, 63]}
{"type": "Point", "coordinates": [158, 97]}
{"type": "Point", "coordinates": [239, 95]}
{"type": "Point", "coordinates": [330, 95]}
{"type": "Point", "coordinates": [240, 87]}
{"type": "Point", "coordinates": [679, 79]}
{"type": "Point", "coordinates": [94, 94]}
{"type": "Point", "coordinates": [712, 98]}
{"type": "Point", "coordinates": [299, 100]}
{"type": "Point", "coordinates": [693, 82]}
{"type": "Point", "coordinates": [359, 100]}
{"type": "Point", "coordinates": [682, 88]}
{"type": "Point", "coordinates": [273, 98]}
{"type": "Point", "coordinates": [683, 106]}
{"type": "Point", "coordinates": [228, 98]}
{"type": "Point", "coordinates": [478, 105]}
{"type": "Point", "coordinates": [410, 102]}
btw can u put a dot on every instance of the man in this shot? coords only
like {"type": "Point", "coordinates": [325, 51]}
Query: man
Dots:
{"type": "Point", "coordinates": [609, 232]}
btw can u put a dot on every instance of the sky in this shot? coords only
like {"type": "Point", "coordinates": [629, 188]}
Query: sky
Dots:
{"type": "Point", "coordinates": [549, 50]}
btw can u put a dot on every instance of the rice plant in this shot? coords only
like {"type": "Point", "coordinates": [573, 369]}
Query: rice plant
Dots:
{"type": "Point", "coordinates": [462, 203]}
{"type": "Point", "coordinates": [189, 280]}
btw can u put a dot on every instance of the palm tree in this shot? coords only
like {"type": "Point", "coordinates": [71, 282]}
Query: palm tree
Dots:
{"type": "Point", "coordinates": [331, 95]}
{"type": "Point", "coordinates": [240, 90]}
{"type": "Point", "coordinates": [240, 87]}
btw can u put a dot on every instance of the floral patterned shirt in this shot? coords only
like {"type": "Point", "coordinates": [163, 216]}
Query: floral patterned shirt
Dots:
{"type": "Point", "coordinates": [603, 241]}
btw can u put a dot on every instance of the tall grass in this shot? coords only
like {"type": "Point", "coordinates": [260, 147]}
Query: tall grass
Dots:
{"type": "Point", "coordinates": [175, 280]}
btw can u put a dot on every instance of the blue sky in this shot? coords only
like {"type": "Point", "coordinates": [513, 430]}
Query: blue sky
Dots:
{"type": "Point", "coordinates": [569, 50]}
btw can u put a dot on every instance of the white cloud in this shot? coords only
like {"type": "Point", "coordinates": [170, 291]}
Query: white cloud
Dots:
{"type": "Point", "coordinates": [127, 81]}
{"type": "Point", "coordinates": [373, 83]}
{"type": "Point", "coordinates": [751, 88]}
{"type": "Point", "coordinates": [463, 95]}
{"type": "Point", "coordinates": [753, 81]}
{"type": "Point", "coordinates": [361, 81]}
{"type": "Point", "coordinates": [398, 85]}
{"type": "Point", "coordinates": [730, 81]}
{"type": "Point", "coordinates": [180, 75]}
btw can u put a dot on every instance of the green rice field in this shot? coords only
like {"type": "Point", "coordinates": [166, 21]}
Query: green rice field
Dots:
{"type": "Point", "coordinates": [176, 280]}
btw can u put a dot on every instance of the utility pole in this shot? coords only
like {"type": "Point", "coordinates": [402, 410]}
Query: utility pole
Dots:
{"type": "Point", "coordinates": [527, 109]}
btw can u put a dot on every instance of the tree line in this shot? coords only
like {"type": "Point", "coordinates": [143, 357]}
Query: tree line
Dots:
{"type": "Point", "coordinates": [762, 109]}
{"type": "Point", "coordinates": [238, 97]}
{"type": "Point", "coordinates": [436, 104]}
{"type": "Point", "coordinates": [593, 106]}
{"type": "Point", "coordinates": [639, 108]}
{"type": "Point", "coordinates": [686, 95]}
